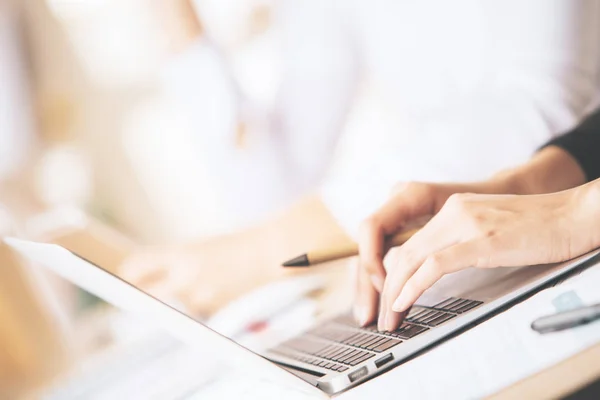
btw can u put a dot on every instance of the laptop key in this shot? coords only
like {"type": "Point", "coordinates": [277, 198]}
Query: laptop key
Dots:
{"type": "Point", "coordinates": [350, 360]}
{"type": "Point", "coordinates": [374, 339]}
{"type": "Point", "coordinates": [455, 301]}
{"type": "Point", "coordinates": [329, 352]}
{"type": "Point", "coordinates": [387, 345]}
{"type": "Point", "coordinates": [377, 343]}
{"type": "Point", "coordinates": [353, 338]}
{"type": "Point", "coordinates": [430, 316]}
{"type": "Point", "coordinates": [458, 305]}
{"type": "Point", "coordinates": [439, 316]}
{"type": "Point", "coordinates": [359, 339]}
{"type": "Point", "coordinates": [360, 359]}
{"type": "Point", "coordinates": [413, 331]}
{"type": "Point", "coordinates": [468, 306]}
{"type": "Point", "coordinates": [340, 354]}
{"type": "Point", "coordinates": [368, 339]}
{"type": "Point", "coordinates": [349, 356]}
{"type": "Point", "coordinates": [345, 356]}
{"type": "Point", "coordinates": [415, 310]}
{"type": "Point", "coordinates": [446, 302]}
{"type": "Point", "coordinates": [418, 315]}
{"type": "Point", "coordinates": [441, 319]}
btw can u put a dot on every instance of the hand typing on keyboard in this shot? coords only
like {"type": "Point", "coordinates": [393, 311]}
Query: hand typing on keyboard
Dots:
{"type": "Point", "coordinates": [481, 225]}
{"type": "Point", "coordinates": [341, 343]}
{"type": "Point", "coordinates": [375, 291]}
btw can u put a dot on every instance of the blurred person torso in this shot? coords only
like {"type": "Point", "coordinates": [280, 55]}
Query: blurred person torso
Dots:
{"type": "Point", "coordinates": [16, 113]}
{"type": "Point", "coordinates": [374, 92]}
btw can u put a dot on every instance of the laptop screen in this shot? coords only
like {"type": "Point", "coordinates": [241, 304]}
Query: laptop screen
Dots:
{"type": "Point", "coordinates": [119, 340]}
{"type": "Point", "coordinates": [100, 351]}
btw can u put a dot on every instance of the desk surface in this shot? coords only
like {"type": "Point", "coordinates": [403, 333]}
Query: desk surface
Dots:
{"type": "Point", "coordinates": [556, 381]}
{"type": "Point", "coordinates": [559, 380]}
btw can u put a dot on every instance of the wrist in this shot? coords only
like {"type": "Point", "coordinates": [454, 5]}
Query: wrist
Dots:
{"type": "Point", "coordinates": [583, 213]}
{"type": "Point", "coordinates": [586, 202]}
{"type": "Point", "coordinates": [506, 182]}
{"type": "Point", "coordinates": [550, 170]}
{"type": "Point", "coordinates": [523, 180]}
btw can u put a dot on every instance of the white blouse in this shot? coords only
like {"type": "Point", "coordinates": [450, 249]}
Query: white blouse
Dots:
{"type": "Point", "coordinates": [16, 115]}
{"type": "Point", "coordinates": [468, 87]}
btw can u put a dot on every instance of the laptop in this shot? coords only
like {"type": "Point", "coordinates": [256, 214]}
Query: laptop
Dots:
{"type": "Point", "coordinates": [334, 355]}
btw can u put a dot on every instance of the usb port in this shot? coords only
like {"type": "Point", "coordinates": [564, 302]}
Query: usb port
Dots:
{"type": "Point", "coordinates": [356, 375]}
{"type": "Point", "coordinates": [384, 360]}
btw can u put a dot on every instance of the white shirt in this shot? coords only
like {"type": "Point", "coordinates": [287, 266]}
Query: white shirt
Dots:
{"type": "Point", "coordinates": [16, 121]}
{"type": "Point", "coordinates": [469, 87]}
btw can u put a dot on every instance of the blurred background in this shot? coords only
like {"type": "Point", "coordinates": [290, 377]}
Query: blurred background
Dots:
{"type": "Point", "coordinates": [98, 127]}
{"type": "Point", "coordinates": [101, 134]}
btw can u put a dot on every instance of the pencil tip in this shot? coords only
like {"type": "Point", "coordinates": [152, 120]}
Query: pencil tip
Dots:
{"type": "Point", "coordinates": [300, 261]}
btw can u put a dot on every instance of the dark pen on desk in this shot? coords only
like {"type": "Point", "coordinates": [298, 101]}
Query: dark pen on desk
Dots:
{"type": "Point", "coordinates": [319, 256]}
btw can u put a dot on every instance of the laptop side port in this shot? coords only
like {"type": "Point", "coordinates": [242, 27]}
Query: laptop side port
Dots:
{"type": "Point", "coordinates": [384, 360]}
{"type": "Point", "coordinates": [358, 374]}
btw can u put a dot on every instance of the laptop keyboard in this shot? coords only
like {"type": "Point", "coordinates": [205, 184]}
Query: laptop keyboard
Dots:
{"type": "Point", "coordinates": [340, 344]}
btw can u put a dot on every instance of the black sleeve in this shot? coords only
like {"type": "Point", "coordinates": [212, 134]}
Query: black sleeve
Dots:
{"type": "Point", "coordinates": [583, 143]}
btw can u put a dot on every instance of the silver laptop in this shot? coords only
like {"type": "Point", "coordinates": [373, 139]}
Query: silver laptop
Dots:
{"type": "Point", "coordinates": [332, 356]}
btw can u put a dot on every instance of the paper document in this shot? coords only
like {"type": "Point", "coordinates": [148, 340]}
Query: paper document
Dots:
{"type": "Point", "coordinates": [495, 354]}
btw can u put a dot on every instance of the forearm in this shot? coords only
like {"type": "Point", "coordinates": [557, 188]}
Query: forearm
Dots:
{"type": "Point", "coordinates": [583, 216]}
{"type": "Point", "coordinates": [204, 275]}
{"type": "Point", "coordinates": [305, 225]}
{"type": "Point", "coordinates": [550, 170]}
{"type": "Point", "coordinates": [567, 161]}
